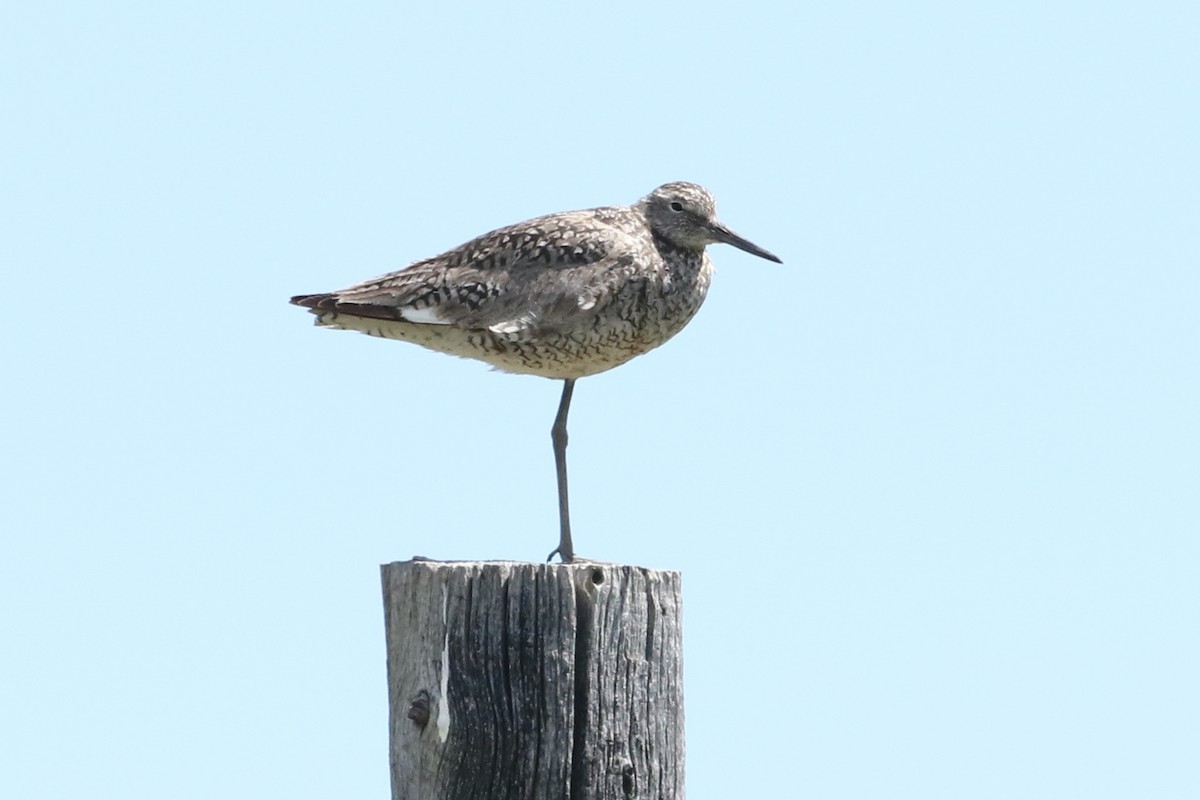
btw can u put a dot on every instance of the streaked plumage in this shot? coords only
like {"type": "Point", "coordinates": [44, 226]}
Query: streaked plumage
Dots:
{"type": "Point", "coordinates": [561, 296]}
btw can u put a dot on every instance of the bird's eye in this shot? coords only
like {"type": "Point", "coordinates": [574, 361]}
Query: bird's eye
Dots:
{"type": "Point", "coordinates": [676, 205]}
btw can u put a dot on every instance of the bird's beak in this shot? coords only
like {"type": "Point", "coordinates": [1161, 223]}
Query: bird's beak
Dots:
{"type": "Point", "coordinates": [722, 234]}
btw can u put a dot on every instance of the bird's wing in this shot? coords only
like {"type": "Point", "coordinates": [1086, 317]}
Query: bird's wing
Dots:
{"type": "Point", "coordinates": [520, 281]}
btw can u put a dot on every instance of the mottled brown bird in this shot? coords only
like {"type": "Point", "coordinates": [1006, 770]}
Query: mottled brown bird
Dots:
{"type": "Point", "coordinates": [562, 296]}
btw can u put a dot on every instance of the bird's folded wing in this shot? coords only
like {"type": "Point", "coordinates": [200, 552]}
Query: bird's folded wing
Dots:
{"type": "Point", "coordinates": [517, 282]}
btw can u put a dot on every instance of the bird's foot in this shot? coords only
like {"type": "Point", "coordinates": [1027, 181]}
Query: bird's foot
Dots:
{"type": "Point", "coordinates": [567, 557]}
{"type": "Point", "coordinates": [576, 560]}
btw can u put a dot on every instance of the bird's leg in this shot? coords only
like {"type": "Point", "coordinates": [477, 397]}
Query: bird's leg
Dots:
{"type": "Point", "coordinates": [558, 436]}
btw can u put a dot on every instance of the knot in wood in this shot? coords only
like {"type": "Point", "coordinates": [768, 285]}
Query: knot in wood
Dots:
{"type": "Point", "coordinates": [419, 709]}
{"type": "Point", "coordinates": [628, 784]}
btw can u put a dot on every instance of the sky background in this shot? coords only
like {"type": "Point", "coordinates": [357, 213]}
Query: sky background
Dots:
{"type": "Point", "coordinates": [933, 483]}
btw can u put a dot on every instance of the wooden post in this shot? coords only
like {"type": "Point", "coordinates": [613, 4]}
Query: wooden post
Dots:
{"type": "Point", "coordinates": [534, 681]}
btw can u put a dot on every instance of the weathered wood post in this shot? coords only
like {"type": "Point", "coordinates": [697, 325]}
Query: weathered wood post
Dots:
{"type": "Point", "coordinates": [534, 681]}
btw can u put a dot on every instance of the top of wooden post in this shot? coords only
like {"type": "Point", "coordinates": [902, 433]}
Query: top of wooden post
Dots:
{"type": "Point", "coordinates": [532, 680]}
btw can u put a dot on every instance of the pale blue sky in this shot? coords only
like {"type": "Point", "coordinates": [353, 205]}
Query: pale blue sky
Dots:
{"type": "Point", "coordinates": [932, 482]}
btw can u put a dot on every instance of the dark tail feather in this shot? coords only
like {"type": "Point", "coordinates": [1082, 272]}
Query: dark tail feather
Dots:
{"type": "Point", "coordinates": [314, 300]}
{"type": "Point", "coordinates": [331, 302]}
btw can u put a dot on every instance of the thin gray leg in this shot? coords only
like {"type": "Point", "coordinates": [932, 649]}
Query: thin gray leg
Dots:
{"type": "Point", "coordinates": [558, 435]}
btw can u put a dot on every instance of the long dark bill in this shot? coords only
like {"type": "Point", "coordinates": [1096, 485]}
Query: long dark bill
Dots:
{"type": "Point", "coordinates": [722, 234]}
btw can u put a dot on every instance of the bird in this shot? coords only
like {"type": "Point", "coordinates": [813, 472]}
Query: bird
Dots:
{"type": "Point", "coordinates": [562, 296]}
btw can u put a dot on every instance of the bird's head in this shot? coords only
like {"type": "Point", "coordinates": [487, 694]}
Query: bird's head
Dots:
{"type": "Point", "coordinates": [686, 215]}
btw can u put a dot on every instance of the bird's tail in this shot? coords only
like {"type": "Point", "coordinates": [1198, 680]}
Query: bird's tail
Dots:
{"type": "Point", "coordinates": [312, 300]}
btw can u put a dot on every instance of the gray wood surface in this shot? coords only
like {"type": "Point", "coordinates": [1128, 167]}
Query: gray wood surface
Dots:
{"type": "Point", "coordinates": [534, 681]}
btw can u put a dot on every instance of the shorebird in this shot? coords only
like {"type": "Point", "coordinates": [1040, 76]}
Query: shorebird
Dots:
{"type": "Point", "coordinates": [562, 296]}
